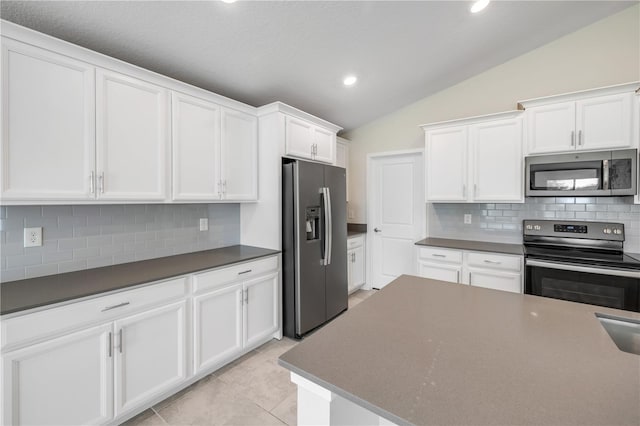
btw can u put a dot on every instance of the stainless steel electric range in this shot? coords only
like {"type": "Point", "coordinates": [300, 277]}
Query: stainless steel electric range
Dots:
{"type": "Point", "coordinates": [581, 262]}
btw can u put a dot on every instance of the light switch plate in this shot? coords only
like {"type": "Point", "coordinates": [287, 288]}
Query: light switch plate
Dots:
{"type": "Point", "coordinates": [204, 224]}
{"type": "Point", "coordinates": [32, 237]}
{"type": "Point", "coordinates": [467, 219]}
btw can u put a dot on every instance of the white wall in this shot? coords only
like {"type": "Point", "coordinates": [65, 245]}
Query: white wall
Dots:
{"type": "Point", "coordinates": [602, 54]}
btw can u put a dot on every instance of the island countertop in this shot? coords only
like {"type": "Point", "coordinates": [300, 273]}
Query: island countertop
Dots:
{"type": "Point", "coordinates": [36, 292]}
{"type": "Point", "coordinates": [422, 351]}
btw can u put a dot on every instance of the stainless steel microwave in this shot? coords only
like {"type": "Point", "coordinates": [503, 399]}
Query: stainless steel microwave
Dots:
{"type": "Point", "coordinates": [583, 174]}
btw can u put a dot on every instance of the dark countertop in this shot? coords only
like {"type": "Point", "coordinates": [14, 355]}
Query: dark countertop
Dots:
{"type": "Point", "coordinates": [472, 245]}
{"type": "Point", "coordinates": [428, 352]}
{"type": "Point", "coordinates": [34, 292]}
{"type": "Point", "coordinates": [355, 233]}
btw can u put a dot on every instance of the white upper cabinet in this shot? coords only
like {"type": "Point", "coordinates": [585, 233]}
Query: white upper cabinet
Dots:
{"type": "Point", "coordinates": [239, 155]}
{"type": "Point", "coordinates": [590, 120]}
{"type": "Point", "coordinates": [306, 140]}
{"type": "Point", "coordinates": [496, 160]}
{"type": "Point", "coordinates": [477, 162]}
{"type": "Point", "coordinates": [196, 148]}
{"type": "Point", "coordinates": [48, 132]}
{"type": "Point", "coordinates": [131, 138]}
{"type": "Point", "coordinates": [446, 164]}
{"type": "Point", "coordinates": [342, 157]}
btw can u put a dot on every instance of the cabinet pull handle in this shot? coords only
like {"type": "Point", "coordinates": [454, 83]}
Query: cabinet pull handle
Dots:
{"type": "Point", "coordinates": [579, 137]}
{"type": "Point", "coordinates": [224, 186]}
{"type": "Point", "coordinates": [475, 190]}
{"type": "Point", "coordinates": [244, 272]}
{"type": "Point", "coordinates": [464, 191]}
{"type": "Point", "coordinates": [92, 183]}
{"type": "Point", "coordinates": [458, 277]}
{"type": "Point", "coordinates": [493, 262]}
{"type": "Point", "coordinates": [573, 138]}
{"type": "Point", "coordinates": [312, 150]}
{"type": "Point", "coordinates": [246, 296]}
{"type": "Point", "coordinates": [110, 344]}
{"type": "Point", "coordinates": [119, 305]}
{"type": "Point", "coordinates": [101, 182]}
{"type": "Point", "coordinates": [120, 339]}
{"type": "Point", "coordinates": [438, 255]}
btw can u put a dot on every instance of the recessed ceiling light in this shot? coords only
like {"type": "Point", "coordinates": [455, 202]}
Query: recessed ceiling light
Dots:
{"type": "Point", "coordinates": [229, 1]}
{"type": "Point", "coordinates": [350, 80]}
{"type": "Point", "coordinates": [479, 5]}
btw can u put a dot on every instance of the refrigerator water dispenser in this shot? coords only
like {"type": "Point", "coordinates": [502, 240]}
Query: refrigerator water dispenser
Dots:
{"type": "Point", "coordinates": [313, 223]}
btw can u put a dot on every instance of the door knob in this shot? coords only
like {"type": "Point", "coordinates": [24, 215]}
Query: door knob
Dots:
{"type": "Point", "coordinates": [377, 230]}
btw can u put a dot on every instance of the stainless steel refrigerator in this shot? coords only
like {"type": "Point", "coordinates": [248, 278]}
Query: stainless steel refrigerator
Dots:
{"type": "Point", "coordinates": [314, 244]}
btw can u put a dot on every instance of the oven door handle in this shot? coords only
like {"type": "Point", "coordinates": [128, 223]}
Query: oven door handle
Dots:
{"type": "Point", "coordinates": [587, 269]}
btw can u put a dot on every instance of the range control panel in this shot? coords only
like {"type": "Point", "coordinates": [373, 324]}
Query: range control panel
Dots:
{"type": "Point", "coordinates": [574, 229]}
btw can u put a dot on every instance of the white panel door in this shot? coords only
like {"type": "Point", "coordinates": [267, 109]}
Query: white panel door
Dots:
{"type": "Point", "coordinates": [63, 381]}
{"type": "Point", "coordinates": [131, 138]}
{"type": "Point", "coordinates": [497, 162]}
{"type": "Point", "coordinates": [551, 128]}
{"type": "Point", "coordinates": [48, 135]}
{"type": "Point", "coordinates": [196, 148]}
{"type": "Point", "coordinates": [446, 164]}
{"type": "Point", "coordinates": [434, 271]}
{"type": "Point", "coordinates": [496, 280]}
{"type": "Point", "coordinates": [605, 122]}
{"type": "Point", "coordinates": [299, 138]}
{"type": "Point", "coordinates": [239, 155]}
{"type": "Point", "coordinates": [397, 215]}
{"type": "Point", "coordinates": [217, 327]}
{"type": "Point", "coordinates": [325, 142]}
{"type": "Point", "coordinates": [150, 355]}
{"type": "Point", "coordinates": [260, 308]}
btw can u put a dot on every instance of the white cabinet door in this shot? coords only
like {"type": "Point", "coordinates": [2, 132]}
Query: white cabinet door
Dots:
{"type": "Point", "coordinates": [48, 134]}
{"type": "Point", "coordinates": [150, 355]}
{"type": "Point", "coordinates": [341, 154]}
{"type": "Point", "coordinates": [440, 272]}
{"type": "Point", "coordinates": [63, 381]}
{"type": "Point", "coordinates": [551, 128]}
{"type": "Point", "coordinates": [131, 138]}
{"type": "Point", "coordinates": [325, 145]}
{"type": "Point", "coordinates": [357, 267]}
{"type": "Point", "coordinates": [261, 308]}
{"type": "Point", "coordinates": [299, 138]}
{"type": "Point", "coordinates": [497, 162]}
{"type": "Point", "coordinates": [446, 164]}
{"type": "Point", "coordinates": [496, 280]}
{"type": "Point", "coordinates": [217, 327]}
{"type": "Point", "coordinates": [196, 148]}
{"type": "Point", "coordinates": [604, 122]}
{"type": "Point", "coordinates": [239, 155]}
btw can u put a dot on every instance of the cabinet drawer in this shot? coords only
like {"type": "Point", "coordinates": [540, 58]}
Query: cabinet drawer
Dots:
{"type": "Point", "coordinates": [495, 261]}
{"type": "Point", "coordinates": [440, 255]}
{"type": "Point", "coordinates": [354, 242]}
{"type": "Point", "coordinates": [48, 322]}
{"type": "Point", "coordinates": [218, 277]}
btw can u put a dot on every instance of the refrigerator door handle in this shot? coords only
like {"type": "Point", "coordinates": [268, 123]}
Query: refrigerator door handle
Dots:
{"type": "Point", "coordinates": [325, 225]}
{"type": "Point", "coordinates": [329, 229]}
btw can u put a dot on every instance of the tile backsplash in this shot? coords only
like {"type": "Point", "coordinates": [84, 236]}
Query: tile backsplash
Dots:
{"type": "Point", "coordinates": [503, 222]}
{"type": "Point", "coordinates": [90, 236]}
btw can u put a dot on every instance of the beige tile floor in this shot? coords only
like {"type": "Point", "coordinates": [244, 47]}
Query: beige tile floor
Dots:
{"type": "Point", "coordinates": [253, 390]}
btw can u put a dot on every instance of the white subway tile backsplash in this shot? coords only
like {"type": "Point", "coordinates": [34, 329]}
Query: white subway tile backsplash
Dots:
{"type": "Point", "coordinates": [86, 236]}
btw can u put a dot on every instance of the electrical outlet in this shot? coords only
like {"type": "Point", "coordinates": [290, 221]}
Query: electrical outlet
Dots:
{"type": "Point", "coordinates": [32, 237]}
{"type": "Point", "coordinates": [467, 219]}
{"type": "Point", "coordinates": [204, 224]}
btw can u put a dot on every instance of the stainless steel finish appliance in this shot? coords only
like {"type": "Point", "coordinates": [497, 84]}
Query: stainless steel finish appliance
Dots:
{"type": "Point", "coordinates": [581, 262]}
{"type": "Point", "coordinates": [314, 244]}
{"type": "Point", "coordinates": [588, 174]}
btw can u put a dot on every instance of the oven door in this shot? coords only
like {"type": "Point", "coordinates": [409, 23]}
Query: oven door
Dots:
{"type": "Point", "coordinates": [613, 288]}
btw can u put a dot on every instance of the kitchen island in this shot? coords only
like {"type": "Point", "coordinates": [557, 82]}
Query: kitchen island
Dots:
{"type": "Point", "coordinates": [423, 352]}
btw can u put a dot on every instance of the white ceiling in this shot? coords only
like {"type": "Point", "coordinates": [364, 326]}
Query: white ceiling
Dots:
{"type": "Point", "coordinates": [298, 51]}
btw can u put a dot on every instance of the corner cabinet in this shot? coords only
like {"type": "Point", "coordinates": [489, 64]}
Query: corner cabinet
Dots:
{"type": "Point", "coordinates": [604, 118]}
{"type": "Point", "coordinates": [304, 139]}
{"type": "Point", "coordinates": [215, 151]}
{"type": "Point", "coordinates": [475, 160]}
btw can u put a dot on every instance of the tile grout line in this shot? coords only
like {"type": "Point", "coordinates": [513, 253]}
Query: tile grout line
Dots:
{"type": "Point", "coordinates": [158, 414]}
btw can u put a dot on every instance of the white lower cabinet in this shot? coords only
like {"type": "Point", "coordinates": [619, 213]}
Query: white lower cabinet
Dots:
{"type": "Point", "coordinates": [356, 263]}
{"type": "Point", "coordinates": [478, 269]}
{"type": "Point", "coordinates": [63, 381]}
{"type": "Point", "coordinates": [150, 355]}
{"type": "Point", "coordinates": [260, 308]}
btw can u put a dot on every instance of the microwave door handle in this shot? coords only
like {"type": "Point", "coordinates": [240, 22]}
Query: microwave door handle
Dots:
{"type": "Point", "coordinates": [605, 174]}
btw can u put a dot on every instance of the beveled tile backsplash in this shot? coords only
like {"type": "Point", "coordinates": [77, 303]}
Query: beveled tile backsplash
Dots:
{"type": "Point", "coordinates": [503, 222]}
{"type": "Point", "coordinates": [90, 236]}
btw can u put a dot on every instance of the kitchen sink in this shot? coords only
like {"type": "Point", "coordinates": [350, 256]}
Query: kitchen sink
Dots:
{"type": "Point", "coordinates": [625, 332]}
